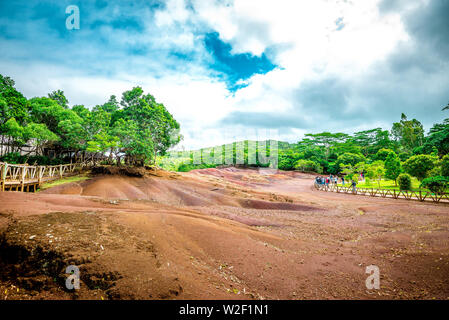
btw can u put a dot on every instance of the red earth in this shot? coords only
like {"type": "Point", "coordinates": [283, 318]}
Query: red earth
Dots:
{"type": "Point", "coordinates": [219, 234]}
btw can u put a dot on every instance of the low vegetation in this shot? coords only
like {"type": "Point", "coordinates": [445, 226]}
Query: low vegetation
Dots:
{"type": "Point", "coordinates": [55, 183]}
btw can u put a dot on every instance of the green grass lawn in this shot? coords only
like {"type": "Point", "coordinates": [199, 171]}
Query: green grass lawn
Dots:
{"type": "Point", "coordinates": [387, 185]}
{"type": "Point", "coordinates": [58, 182]}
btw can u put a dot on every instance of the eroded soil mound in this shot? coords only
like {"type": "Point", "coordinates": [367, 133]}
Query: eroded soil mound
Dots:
{"type": "Point", "coordinates": [114, 170]}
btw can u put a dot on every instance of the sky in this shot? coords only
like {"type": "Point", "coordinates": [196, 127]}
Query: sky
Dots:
{"type": "Point", "coordinates": [231, 70]}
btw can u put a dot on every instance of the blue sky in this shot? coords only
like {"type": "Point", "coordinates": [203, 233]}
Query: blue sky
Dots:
{"type": "Point", "coordinates": [113, 31]}
{"type": "Point", "coordinates": [225, 68]}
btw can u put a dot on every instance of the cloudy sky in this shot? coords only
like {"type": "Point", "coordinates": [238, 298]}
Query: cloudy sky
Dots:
{"type": "Point", "coordinates": [229, 69]}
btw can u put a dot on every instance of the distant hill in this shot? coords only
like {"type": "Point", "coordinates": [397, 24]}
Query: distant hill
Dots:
{"type": "Point", "coordinates": [244, 152]}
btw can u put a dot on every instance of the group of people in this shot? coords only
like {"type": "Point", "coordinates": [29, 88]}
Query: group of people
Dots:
{"type": "Point", "coordinates": [328, 180]}
{"type": "Point", "coordinates": [333, 180]}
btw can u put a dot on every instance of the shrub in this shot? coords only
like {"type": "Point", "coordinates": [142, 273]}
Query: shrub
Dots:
{"type": "Point", "coordinates": [445, 166]}
{"type": "Point", "coordinates": [16, 158]}
{"type": "Point", "coordinates": [368, 181]}
{"type": "Point", "coordinates": [186, 167]}
{"type": "Point", "coordinates": [308, 166]}
{"type": "Point", "coordinates": [436, 184]}
{"type": "Point", "coordinates": [405, 181]}
{"type": "Point", "coordinates": [44, 161]}
{"type": "Point", "coordinates": [12, 157]}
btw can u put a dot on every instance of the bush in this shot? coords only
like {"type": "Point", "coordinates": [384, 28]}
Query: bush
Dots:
{"type": "Point", "coordinates": [12, 157]}
{"type": "Point", "coordinates": [186, 167]}
{"type": "Point", "coordinates": [368, 181]}
{"type": "Point", "coordinates": [43, 161]}
{"type": "Point", "coordinates": [308, 166]}
{"type": "Point", "coordinates": [445, 166]}
{"type": "Point", "coordinates": [405, 181]}
{"type": "Point", "coordinates": [16, 158]}
{"type": "Point", "coordinates": [404, 156]}
{"type": "Point", "coordinates": [436, 184]}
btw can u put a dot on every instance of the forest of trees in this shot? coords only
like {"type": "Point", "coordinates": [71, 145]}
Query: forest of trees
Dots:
{"type": "Point", "coordinates": [46, 130]}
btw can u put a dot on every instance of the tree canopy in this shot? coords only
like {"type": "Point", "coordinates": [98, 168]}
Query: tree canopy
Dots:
{"type": "Point", "coordinates": [137, 130]}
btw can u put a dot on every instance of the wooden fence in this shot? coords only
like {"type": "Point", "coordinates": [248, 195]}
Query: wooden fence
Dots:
{"type": "Point", "coordinates": [393, 194]}
{"type": "Point", "coordinates": [18, 177]}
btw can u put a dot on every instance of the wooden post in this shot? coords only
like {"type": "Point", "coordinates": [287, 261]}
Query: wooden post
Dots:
{"type": "Point", "coordinates": [39, 175]}
{"type": "Point", "coordinates": [3, 173]}
{"type": "Point", "coordinates": [60, 171]}
{"type": "Point", "coordinates": [23, 179]}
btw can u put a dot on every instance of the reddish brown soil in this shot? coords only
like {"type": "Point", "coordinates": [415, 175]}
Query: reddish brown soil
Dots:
{"type": "Point", "coordinates": [219, 234]}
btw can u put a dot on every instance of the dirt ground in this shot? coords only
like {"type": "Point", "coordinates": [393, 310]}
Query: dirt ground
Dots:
{"type": "Point", "coordinates": [219, 234]}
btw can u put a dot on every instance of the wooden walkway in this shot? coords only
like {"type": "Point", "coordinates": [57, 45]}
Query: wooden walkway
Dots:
{"type": "Point", "coordinates": [383, 193]}
{"type": "Point", "coordinates": [17, 177]}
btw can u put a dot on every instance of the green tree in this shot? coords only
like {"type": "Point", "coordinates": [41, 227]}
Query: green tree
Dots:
{"type": "Point", "coordinates": [352, 172]}
{"type": "Point", "coordinates": [14, 131]}
{"type": "Point", "coordinates": [103, 142]}
{"type": "Point", "coordinates": [383, 154]}
{"type": "Point", "coordinates": [111, 106]}
{"type": "Point", "coordinates": [376, 170]}
{"type": "Point", "coordinates": [12, 103]}
{"type": "Point", "coordinates": [438, 138]}
{"type": "Point", "coordinates": [350, 158]}
{"type": "Point", "coordinates": [371, 141]}
{"type": "Point", "coordinates": [38, 135]}
{"type": "Point", "coordinates": [72, 135]}
{"type": "Point", "coordinates": [325, 141]}
{"type": "Point", "coordinates": [420, 165]}
{"type": "Point", "coordinates": [308, 166]}
{"type": "Point", "coordinates": [152, 118]}
{"type": "Point", "coordinates": [409, 133]}
{"type": "Point", "coordinates": [287, 158]}
{"type": "Point", "coordinates": [392, 167]}
{"type": "Point", "coordinates": [60, 98]}
{"type": "Point", "coordinates": [49, 112]}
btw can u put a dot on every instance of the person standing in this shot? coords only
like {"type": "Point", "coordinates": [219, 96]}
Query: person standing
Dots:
{"type": "Point", "coordinates": [343, 181]}
{"type": "Point", "coordinates": [354, 185]}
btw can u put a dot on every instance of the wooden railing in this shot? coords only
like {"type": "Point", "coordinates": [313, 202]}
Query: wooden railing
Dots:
{"type": "Point", "coordinates": [20, 177]}
{"type": "Point", "coordinates": [384, 193]}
